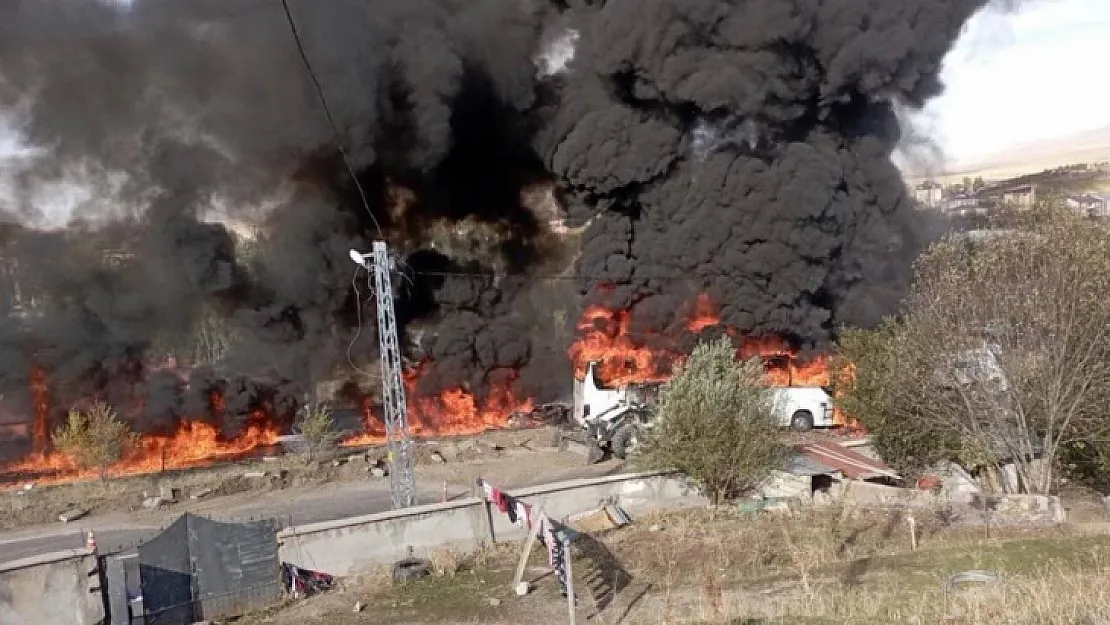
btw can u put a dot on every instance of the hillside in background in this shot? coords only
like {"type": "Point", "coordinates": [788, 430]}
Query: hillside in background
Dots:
{"type": "Point", "coordinates": [1069, 179]}
{"type": "Point", "coordinates": [1028, 159]}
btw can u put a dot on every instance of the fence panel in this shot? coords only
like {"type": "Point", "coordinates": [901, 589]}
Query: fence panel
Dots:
{"type": "Point", "coordinates": [236, 566]}
{"type": "Point", "coordinates": [166, 576]}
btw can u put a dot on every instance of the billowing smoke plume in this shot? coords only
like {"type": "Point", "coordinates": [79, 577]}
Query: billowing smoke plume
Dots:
{"type": "Point", "coordinates": [738, 147]}
{"type": "Point", "coordinates": [744, 148]}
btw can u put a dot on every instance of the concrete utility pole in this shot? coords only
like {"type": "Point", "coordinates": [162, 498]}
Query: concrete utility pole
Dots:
{"type": "Point", "coordinates": [402, 477]}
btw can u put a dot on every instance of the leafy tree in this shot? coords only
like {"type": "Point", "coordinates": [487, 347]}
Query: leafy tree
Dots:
{"type": "Point", "coordinates": [95, 438]}
{"type": "Point", "coordinates": [714, 423]}
{"type": "Point", "coordinates": [873, 371]}
{"type": "Point", "coordinates": [1000, 355]}
{"type": "Point", "coordinates": [318, 429]}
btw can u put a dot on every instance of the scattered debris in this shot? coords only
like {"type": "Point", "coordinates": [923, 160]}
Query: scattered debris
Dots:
{"type": "Point", "coordinates": [338, 462]}
{"type": "Point", "coordinates": [438, 457]}
{"type": "Point", "coordinates": [356, 458]}
{"type": "Point", "coordinates": [780, 506]}
{"type": "Point", "coordinates": [169, 493]}
{"type": "Point", "coordinates": [656, 528]}
{"type": "Point", "coordinates": [494, 601]}
{"type": "Point", "coordinates": [295, 443]}
{"type": "Point", "coordinates": [955, 582]}
{"type": "Point", "coordinates": [304, 582]}
{"type": "Point", "coordinates": [358, 607]}
{"type": "Point", "coordinates": [411, 568]}
{"type": "Point", "coordinates": [604, 518]}
{"type": "Point", "coordinates": [270, 458]}
{"type": "Point", "coordinates": [576, 447]}
{"type": "Point", "coordinates": [72, 515]}
{"type": "Point", "coordinates": [204, 492]}
{"type": "Point", "coordinates": [153, 502]}
{"type": "Point", "coordinates": [254, 474]}
{"type": "Point", "coordinates": [377, 471]}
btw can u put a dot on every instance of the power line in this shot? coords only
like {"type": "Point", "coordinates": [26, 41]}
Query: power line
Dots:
{"type": "Point", "coordinates": [327, 113]}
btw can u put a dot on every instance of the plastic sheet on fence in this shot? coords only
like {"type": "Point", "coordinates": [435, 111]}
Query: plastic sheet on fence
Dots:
{"type": "Point", "coordinates": [200, 569]}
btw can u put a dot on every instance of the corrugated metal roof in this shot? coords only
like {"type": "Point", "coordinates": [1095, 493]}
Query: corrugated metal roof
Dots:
{"type": "Point", "coordinates": [853, 465]}
{"type": "Point", "coordinates": [803, 466]}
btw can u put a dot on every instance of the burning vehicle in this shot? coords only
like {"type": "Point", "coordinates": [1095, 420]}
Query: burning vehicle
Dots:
{"type": "Point", "coordinates": [612, 418]}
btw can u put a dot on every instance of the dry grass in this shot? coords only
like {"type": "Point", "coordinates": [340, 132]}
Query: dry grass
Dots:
{"type": "Point", "coordinates": [813, 566]}
{"type": "Point", "coordinates": [1053, 595]}
{"type": "Point", "coordinates": [840, 565]}
{"type": "Point", "coordinates": [445, 562]}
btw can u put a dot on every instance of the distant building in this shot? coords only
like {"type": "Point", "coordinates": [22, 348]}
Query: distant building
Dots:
{"type": "Point", "coordinates": [928, 193]}
{"type": "Point", "coordinates": [1022, 196]}
{"type": "Point", "coordinates": [960, 203]}
{"type": "Point", "coordinates": [1088, 204]}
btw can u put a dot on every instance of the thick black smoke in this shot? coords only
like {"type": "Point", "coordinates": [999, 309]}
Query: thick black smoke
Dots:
{"type": "Point", "coordinates": [742, 145]}
{"type": "Point", "coordinates": [744, 148]}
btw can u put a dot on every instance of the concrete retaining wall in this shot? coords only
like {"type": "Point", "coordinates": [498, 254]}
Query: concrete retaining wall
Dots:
{"type": "Point", "coordinates": [359, 544]}
{"type": "Point", "coordinates": [1029, 509]}
{"type": "Point", "coordinates": [51, 589]}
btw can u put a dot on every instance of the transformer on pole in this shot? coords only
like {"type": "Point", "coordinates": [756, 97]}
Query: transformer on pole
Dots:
{"type": "Point", "coordinates": [402, 477]}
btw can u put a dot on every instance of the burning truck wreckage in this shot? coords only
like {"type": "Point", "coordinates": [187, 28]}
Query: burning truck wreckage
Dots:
{"type": "Point", "coordinates": [578, 192]}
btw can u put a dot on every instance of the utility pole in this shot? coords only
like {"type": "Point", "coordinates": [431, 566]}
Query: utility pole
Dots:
{"type": "Point", "coordinates": [402, 477]}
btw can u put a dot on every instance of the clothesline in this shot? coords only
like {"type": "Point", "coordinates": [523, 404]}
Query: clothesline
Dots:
{"type": "Point", "coordinates": [523, 515]}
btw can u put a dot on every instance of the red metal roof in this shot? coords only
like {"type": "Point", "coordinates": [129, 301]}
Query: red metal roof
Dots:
{"type": "Point", "coordinates": [853, 465]}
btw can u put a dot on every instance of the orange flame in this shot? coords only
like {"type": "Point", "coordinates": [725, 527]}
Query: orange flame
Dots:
{"type": "Point", "coordinates": [193, 443]}
{"type": "Point", "coordinates": [453, 412]}
{"type": "Point", "coordinates": [605, 338]}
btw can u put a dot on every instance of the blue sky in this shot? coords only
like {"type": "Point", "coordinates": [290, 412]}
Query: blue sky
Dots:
{"type": "Point", "coordinates": [1015, 78]}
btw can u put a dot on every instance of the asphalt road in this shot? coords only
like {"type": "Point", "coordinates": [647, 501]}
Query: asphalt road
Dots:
{"type": "Point", "coordinates": [326, 503]}
{"type": "Point", "coordinates": [117, 533]}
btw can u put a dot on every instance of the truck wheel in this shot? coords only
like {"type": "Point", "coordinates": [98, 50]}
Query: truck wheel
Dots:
{"type": "Point", "coordinates": [802, 421]}
{"type": "Point", "coordinates": [624, 442]}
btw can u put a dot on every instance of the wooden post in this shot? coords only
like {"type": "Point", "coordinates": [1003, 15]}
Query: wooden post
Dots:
{"type": "Point", "coordinates": [570, 578]}
{"type": "Point", "coordinates": [489, 509]}
{"type": "Point", "coordinates": [913, 531]}
{"type": "Point", "coordinates": [527, 551]}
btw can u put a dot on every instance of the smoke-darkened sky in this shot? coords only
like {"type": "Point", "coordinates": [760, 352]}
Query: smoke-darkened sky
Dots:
{"type": "Point", "coordinates": [736, 147]}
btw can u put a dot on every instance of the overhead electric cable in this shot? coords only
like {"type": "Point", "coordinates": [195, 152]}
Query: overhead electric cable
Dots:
{"type": "Point", "coordinates": [327, 113]}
